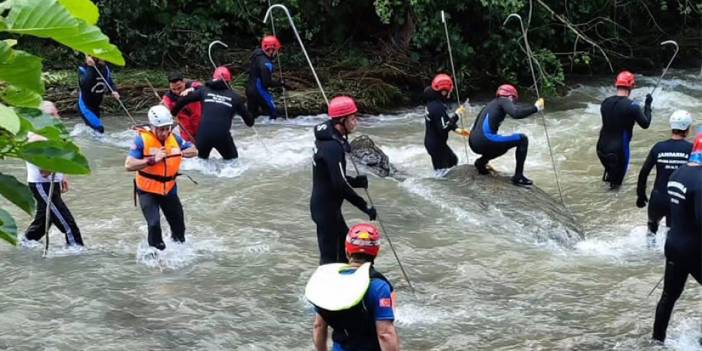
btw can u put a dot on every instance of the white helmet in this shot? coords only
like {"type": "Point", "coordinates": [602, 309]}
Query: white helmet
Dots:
{"type": "Point", "coordinates": [160, 116]}
{"type": "Point", "coordinates": [680, 120]}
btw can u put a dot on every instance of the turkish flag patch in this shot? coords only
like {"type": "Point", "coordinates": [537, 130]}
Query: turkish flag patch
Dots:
{"type": "Point", "coordinates": [385, 302]}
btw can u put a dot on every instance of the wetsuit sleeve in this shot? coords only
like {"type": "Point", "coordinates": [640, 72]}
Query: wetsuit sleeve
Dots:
{"type": "Point", "coordinates": [645, 171]}
{"type": "Point", "coordinates": [266, 70]}
{"type": "Point", "coordinates": [242, 111]}
{"type": "Point", "coordinates": [698, 204]}
{"type": "Point", "coordinates": [441, 121]}
{"type": "Point", "coordinates": [643, 118]}
{"type": "Point", "coordinates": [381, 300]}
{"type": "Point", "coordinates": [517, 112]}
{"type": "Point", "coordinates": [86, 75]}
{"type": "Point", "coordinates": [193, 96]}
{"type": "Point", "coordinates": [339, 182]}
{"type": "Point", "coordinates": [137, 149]}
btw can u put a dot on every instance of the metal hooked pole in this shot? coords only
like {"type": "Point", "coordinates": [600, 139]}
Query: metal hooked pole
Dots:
{"type": "Point", "coordinates": [677, 48]}
{"type": "Point", "coordinates": [214, 65]}
{"type": "Point", "coordinates": [280, 69]}
{"type": "Point", "coordinates": [538, 95]}
{"type": "Point", "coordinates": [47, 214]}
{"type": "Point", "coordinates": [355, 167]}
{"type": "Point", "coordinates": [299, 40]}
{"type": "Point", "coordinates": [119, 100]}
{"type": "Point", "coordinates": [455, 79]}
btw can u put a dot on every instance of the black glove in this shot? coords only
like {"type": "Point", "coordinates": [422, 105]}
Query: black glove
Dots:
{"type": "Point", "coordinates": [358, 182]}
{"type": "Point", "coordinates": [372, 213]}
{"type": "Point", "coordinates": [649, 99]}
{"type": "Point", "coordinates": [641, 201]}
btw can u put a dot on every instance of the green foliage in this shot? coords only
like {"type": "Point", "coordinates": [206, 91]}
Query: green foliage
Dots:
{"type": "Point", "coordinates": [71, 23]}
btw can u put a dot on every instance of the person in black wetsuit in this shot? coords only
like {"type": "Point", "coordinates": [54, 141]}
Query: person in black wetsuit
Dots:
{"type": "Point", "coordinates": [261, 79]}
{"type": "Point", "coordinates": [683, 246]}
{"type": "Point", "coordinates": [439, 123]}
{"type": "Point", "coordinates": [619, 114]}
{"type": "Point", "coordinates": [667, 156]}
{"type": "Point", "coordinates": [330, 184]}
{"type": "Point", "coordinates": [219, 105]}
{"type": "Point", "coordinates": [92, 88]}
{"type": "Point", "coordinates": [485, 141]}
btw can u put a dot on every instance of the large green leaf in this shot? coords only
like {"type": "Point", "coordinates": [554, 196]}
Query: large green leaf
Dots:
{"type": "Point", "coordinates": [21, 74]}
{"type": "Point", "coordinates": [8, 227]}
{"type": "Point", "coordinates": [9, 119]}
{"type": "Point", "coordinates": [49, 19]}
{"type": "Point", "coordinates": [40, 18]}
{"type": "Point", "coordinates": [91, 41]}
{"type": "Point", "coordinates": [83, 9]}
{"type": "Point", "coordinates": [20, 97]}
{"type": "Point", "coordinates": [17, 193]}
{"type": "Point", "coordinates": [55, 155]}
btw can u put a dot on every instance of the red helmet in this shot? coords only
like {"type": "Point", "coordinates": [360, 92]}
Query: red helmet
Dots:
{"type": "Point", "coordinates": [625, 79]}
{"type": "Point", "coordinates": [507, 90]}
{"type": "Point", "coordinates": [363, 238]}
{"type": "Point", "coordinates": [222, 73]}
{"type": "Point", "coordinates": [341, 106]}
{"type": "Point", "coordinates": [442, 82]}
{"type": "Point", "coordinates": [270, 42]}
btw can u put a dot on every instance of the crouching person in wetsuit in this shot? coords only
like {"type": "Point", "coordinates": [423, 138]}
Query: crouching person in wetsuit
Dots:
{"type": "Point", "coordinates": [189, 117]}
{"type": "Point", "coordinates": [439, 123]}
{"type": "Point", "coordinates": [619, 114]}
{"type": "Point", "coordinates": [330, 184]}
{"type": "Point", "coordinates": [683, 246]}
{"type": "Point", "coordinates": [363, 319]}
{"type": "Point", "coordinates": [485, 141]}
{"type": "Point", "coordinates": [667, 156]}
{"type": "Point", "coordinates": [258, 96]}
{"type": "Point", "coordinates": [156, 156]}
{"type": "Point", "coordinates": [92, 88]}
{"type": "Point", "coordinates": [219, 105]}
{"type": "Point", "coordinates": [39, 182]}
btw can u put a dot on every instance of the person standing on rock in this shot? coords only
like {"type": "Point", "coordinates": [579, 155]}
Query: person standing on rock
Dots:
{"type": "Point", "coordinates": [485, 141]}
{"type": "Point", "coordinates": [438, 123]}
{"type": "Point", "coordinates": [666, 156]}
{"type": "Point", "coordinates": [330, 184]}
{"type": "Point", "coordinates": [683, 246]}
{"type": "Point", "coordinates": [94, 80]}
{"type": "Point", "coordinates": [619, 114]}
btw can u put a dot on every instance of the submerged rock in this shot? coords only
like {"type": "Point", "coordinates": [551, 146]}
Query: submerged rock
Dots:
{"type": "Point", "coordinates": [491, 200]}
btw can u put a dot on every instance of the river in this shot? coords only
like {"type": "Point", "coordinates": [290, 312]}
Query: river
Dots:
{"type": "Point", "coordinates": [483, 280]}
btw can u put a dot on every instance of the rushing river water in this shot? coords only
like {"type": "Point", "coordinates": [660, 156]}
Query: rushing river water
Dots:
{"type": "Point", "coordinates": [485, 280]}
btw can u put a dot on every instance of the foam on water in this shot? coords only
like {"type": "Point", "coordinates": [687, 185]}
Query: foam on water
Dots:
{"type": "Point", "coordinates": [177, 255]}
{"type": "Point", "coordinates": [122, 139]}
{"type": "Point", "coordinates": [215, 166]}
{"type": "Point", "coordinates": [685, 335]}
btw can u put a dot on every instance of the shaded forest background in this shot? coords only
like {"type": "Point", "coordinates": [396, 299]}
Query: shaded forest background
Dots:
{"type": "Point", "coordinates": [386, 51]}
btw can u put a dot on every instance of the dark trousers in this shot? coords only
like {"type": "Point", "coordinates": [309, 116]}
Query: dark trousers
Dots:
{"type": "Point", "coordinates": [492, 150]}
{"type": "Point", "coordinates": [676, 272]}
{"type": "Point", "coordinates": [224, 144]}
{"type": "Point", "coordinates": [331, 238]}
{"type": "Point", "coordinates": [658, 207]}
{"type": "Point", "coordinates": [60, 216]}
{"type": "Point", "coordinates": [172, 210]}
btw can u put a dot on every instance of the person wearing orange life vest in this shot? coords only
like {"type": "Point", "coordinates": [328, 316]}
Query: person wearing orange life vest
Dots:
{"type": "Point", "coordinates": [155, 156]}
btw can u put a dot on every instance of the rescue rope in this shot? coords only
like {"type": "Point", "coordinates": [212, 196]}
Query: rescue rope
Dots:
{"type": "Point", "coordinates": [321, 89]}
{"type": "Point", "coordinates": [119, 100]}
{"type": "Point", "coordinates": [455, 79]}
{"type": "Point", "coordinates": [280, 68]}
{"type": "Point", "coordinates": [47, 214]}
{"type": "Point", "coordinates": [538, 96]}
